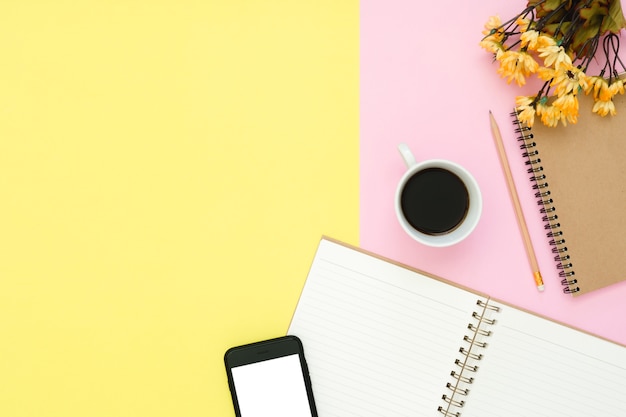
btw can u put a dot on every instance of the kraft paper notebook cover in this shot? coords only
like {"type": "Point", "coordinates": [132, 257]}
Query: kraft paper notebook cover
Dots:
{"type": "Point", "coordinates": [579, 173]}
{"type": "Point", "coordinates": [382, 339]}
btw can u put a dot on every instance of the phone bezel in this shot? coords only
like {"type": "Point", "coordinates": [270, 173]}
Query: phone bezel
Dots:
{"type": "Point", "coordinates": [266, 350]}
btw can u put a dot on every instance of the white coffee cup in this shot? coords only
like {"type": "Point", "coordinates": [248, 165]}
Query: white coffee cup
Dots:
{"type": "Point", "coordinates": [453, 213]}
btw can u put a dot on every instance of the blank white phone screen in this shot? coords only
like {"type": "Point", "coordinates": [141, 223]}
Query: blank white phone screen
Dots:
{"type": "Point", "coordinates": [272, 388]}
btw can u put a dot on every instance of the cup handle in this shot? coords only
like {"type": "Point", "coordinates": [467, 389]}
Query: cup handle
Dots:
{"type": "Point", "coordinates": [407, 155]}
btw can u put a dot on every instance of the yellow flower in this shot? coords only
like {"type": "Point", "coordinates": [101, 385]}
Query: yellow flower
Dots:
{"type": "Point", "coordinates": [525, 110]}
{"type": "Point", "coordinates": [604, 108]}
{"type": "Point", "coordinates": [545, 41]}
{"type": "Point", "coordinates": [584, 80]}
{"type": "Point", "coordinates": [603, 94]}
{"type": "Point", "coordinates": [545, 74]}
{"type": "Point", "coordinates": [572, 118]}
{"type": "Point", "coordinates": [541, 106]}
{"type": "Point", "coordinates": [569, 81]}
{"type": "Point", "coordinates": [567, 104]}
{"type": "Point", "coordinates": [524, 100]}
{"type": "Point", "coordinates": [550, 116]}
{"type": "Point", "coordinates": [493, 43]}
{"type": "Point", "coordinates": [594, 84]}
{"type": "Point", "coordinates": [493, 24]}
{"type": "Point", "coordinates": [530, 40]}
{"type": "Point", "coordinates": [556, 41]}
{"type": "Point", "coordinates": [517, 66]}
{"type": "Point", "coordinates": [600, 88]}
{"type": "Point", "coordinates": [494, 35]}
{"type": "Point", "coordinates": [555, 56]}
{"type": "Point", "coordinates": [522, 24]}
{"type": "Point", "coordinates": [616, 87]}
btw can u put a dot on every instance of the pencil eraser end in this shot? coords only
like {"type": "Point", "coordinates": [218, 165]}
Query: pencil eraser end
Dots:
{"type": "Point", "coordinates": [540, 287]}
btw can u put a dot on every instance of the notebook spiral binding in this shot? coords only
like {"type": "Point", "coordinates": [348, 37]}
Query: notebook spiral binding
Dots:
{"type": "Point", "coordinates": [547, 207]}
{"type": "Point", "coordinates": [467, 364]}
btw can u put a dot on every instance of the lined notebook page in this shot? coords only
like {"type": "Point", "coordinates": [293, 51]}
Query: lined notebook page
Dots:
{"type": "Point", "coordinates": [380, 340]}
{"type": "Point", "coordinates": [535, 367]}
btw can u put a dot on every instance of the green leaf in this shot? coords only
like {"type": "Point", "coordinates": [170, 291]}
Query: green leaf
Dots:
{"type": "Point", "coordinates": [614, 21]}
{"type": "Point", "coordinates": [583, 34]}
{"type": "Point", "coordinates": [595, 11]}
{"type": "Point", "coordinates": [543, 7]}
{"type": "Point", "coordinates": [549, 29]}
{"type": "Point", "coordinates": [533, 3]}
{"type": "Point", "coordinates": [550, 5]}
{"type": "Point", "coordinates": [565, 27]}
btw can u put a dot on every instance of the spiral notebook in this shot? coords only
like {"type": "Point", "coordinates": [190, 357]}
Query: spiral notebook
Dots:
{"type": "Point", "coordinates": [579, 174]}
{"type": "Point", "coordinates": [382, 339]}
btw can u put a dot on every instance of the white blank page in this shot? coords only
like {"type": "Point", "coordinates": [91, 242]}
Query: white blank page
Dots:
{"type": "Point", "coordinates": [380, 340]}
{"type": "Point", "coordinates": [535, 367]}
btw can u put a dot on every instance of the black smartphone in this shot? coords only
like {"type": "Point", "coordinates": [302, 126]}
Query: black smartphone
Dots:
{"type": "Point", "coordinates": [270, 379]}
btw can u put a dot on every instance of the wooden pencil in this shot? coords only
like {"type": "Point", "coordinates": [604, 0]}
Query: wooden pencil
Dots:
{"type": "Point", "coordinates": [521, 222]}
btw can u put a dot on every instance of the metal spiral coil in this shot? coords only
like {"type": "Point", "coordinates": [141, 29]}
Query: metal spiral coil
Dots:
{"type": "Point", "coordinates": [487, 306]}
{"type": "Point", "coordinates": [547, 206]}
{"type": "Point", "coordinates": [447, 413]}
{"type": "Point", "coordinates": [549, 226]}
{"type": "Point", "coordinates": [470, 354]}
{"type": "Point", "coordinates": [464, 365]}
{"type": "Point", "coordinates": [450, 401]}
{"type": "Point", "coordinates": [569, 281]}
{"type": "Point", "coordinates": [459, 377]}
{"type": "Point", "coordinates": [485, 319]}
{"type": "Point", "coordinates": [476, 342]}
{"type": "Point", "coordinates": [467, 364]}
{"type": "Point", "coordinates": [555, 234]}
{"type": "Point", "coordinates": [456, 390]}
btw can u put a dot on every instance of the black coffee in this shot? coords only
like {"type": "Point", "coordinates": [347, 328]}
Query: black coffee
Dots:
{"type": "Point", "coordinates": [434, 201]}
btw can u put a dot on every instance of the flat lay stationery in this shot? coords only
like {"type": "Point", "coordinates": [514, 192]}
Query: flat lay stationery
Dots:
{"type": "Point", "coordinates": [530, 252]}
{"type": "Point", "coordinates": [577, 174]}
{"type": "Point", "coordinates": [493, 258]}
{"type": "Point", "coordinates": [385, 339]}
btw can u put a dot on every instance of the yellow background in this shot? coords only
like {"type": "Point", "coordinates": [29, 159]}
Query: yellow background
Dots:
{"type": "Point", "coordinates": [166, 171]}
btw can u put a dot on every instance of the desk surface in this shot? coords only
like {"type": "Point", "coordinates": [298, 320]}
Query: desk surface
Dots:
{"type": "Point", "coordinates": [167, 169]}
{"type": "Point", "coordinates": [436, 96]}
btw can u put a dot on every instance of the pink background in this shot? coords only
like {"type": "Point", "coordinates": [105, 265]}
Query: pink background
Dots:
{"type": "Point", "coordinates": [425, 81]}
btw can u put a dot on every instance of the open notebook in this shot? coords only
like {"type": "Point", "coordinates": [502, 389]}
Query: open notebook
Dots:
{"type": "Point", "coordinates": [382, 339]}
